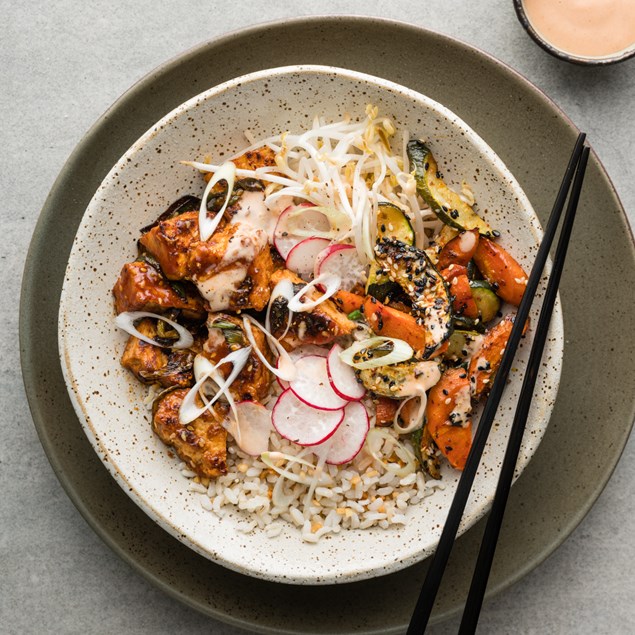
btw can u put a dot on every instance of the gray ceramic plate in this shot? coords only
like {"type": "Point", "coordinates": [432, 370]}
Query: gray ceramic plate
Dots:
{"type": "Point", "coordinates": [521, 125]}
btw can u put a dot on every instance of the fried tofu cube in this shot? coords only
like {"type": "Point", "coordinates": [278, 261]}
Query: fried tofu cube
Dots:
{"type": "Point", "coordinates": [321, 325]}
{"type": "Point", "coordinates": [233, 268]}
{"type": "Point", "coordinates": [252, 160]}
{"type": "Point", "coordinates": [202, 444]}
{"type": "Point", "coordinates": [254, 380]}
{"type": "Point", "coordinates": [153, 364]}
{"type": "Point", "coordinates": [170, 242]}
{"type": "Point", "coordinates": [140, 287]}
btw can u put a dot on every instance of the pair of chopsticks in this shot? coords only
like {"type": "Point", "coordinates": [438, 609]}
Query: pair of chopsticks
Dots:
{"type": "Point", "coordinates": [418, 623]}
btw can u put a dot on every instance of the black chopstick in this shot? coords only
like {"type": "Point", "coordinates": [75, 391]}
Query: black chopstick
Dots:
{"type": "Point", "coordinates": [490, 537]}
{"type": "Point", "coordinates": [427, 596]}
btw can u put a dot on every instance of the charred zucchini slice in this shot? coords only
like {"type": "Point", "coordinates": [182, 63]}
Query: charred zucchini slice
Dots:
{"type": "Point", "coordinates": [461, 344]}
{"type": "Point", "coordinates": [443, 201]}
{"type": "Point", "coordinates": [468, 324]}
{"type": "Point", "coordinates": [391, 223]}
{"type": "Point", "coordinates": [487, 301]}
{"type": "Point", "coordinates": [412, 270]}
{"type": "Point", "coordinates": [426, 452]}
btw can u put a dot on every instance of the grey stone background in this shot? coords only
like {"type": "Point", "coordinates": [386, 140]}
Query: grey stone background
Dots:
{"type": "Point", "coordinates": [61, 65]}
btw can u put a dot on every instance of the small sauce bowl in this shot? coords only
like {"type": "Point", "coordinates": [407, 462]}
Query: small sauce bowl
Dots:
{"type": "Point", "coordinates": [568, 56]}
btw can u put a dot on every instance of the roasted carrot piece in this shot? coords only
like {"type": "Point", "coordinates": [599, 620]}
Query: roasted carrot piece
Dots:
{"type": "Point", "coordinates": [501, 270]}
{"type": "Point", "coordinates": [385, 410]}
{"type": "Point", "coordinates": [385, 320]}
{"type": "Point", "coordinates": [348, 302]}
{"type": "Point", "coordinates": [448, 416]}
{"type": "Point", "coordinates": [486, 360]}
{"type": "Point", "coordinates": [462, 303]}
{"type": "Point", "coordinates": [460, 250]}
{"type": "Point", "coordinates": [442, 349]}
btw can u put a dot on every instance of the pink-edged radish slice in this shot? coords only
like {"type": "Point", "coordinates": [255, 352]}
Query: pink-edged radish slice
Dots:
{"type": "Point", "coordinates": [302, 351]}
{"type": "Point", "coordinates": [343, 261]}
{"type": "Point", "coordinates": [350, 435]}
{"type": "Point", "coordinates": [297, 422]}
{"type": "Point", "coordinates": [308, 349]}
{"type": "Point", "coordinates": [253, 427]}
{"type": "Point", "coordinates": [309, 221]}
{"type": "Point", "coordinates": [301, 258]}
{"type": "Point", "coordinates": [342, 377]}
{"type": "Point", "coordinates": [311, 384]}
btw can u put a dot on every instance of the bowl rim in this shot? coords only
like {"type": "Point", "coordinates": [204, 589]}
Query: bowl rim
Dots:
{"type": "Point", "coordinates": [580, 60]}
{"type": "Point", "coordinates": [85, 420]}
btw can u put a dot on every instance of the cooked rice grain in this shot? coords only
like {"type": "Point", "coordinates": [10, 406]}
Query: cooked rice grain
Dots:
{"type": "Point", "coordinates": [360, 494]}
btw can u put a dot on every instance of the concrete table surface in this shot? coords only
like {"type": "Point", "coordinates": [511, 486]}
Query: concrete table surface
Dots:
{"type": "Point", "coordinates": [61, 65]}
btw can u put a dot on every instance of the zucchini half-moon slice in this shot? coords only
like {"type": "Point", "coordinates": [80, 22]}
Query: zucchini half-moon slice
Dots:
{"type": "Point", "coordinates": [444, 202]}
{"type": "Point", "coordinates": [391, 223]}
{"type": "Point", "coordinates": [412, 270]}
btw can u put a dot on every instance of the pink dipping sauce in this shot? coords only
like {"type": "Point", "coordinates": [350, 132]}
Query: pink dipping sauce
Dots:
{"type": "Point", "coordinates": [584, 28]}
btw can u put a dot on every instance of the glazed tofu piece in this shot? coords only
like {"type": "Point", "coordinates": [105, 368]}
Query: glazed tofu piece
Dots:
{"type": "Point", "coordinates": [140, 287]}
{"type": "Point", "coordinates": [319, 326]}
{"type": "Point", "coordinates": [254, 380]}
{"type": "Point", "coordinates": [202, 444]}
{"type": "Point", "coordinates": [252, 160]}
{"type": "Point", "coordinates": [233, 268]}
{"type": "Point", "coordinates": [170, 242]}
{"type": "Point", "coordinates": [154, 364]}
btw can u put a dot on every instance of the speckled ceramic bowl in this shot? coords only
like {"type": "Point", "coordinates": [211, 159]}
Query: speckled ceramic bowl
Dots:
{"type": "Point", "coordinates": [140, 186]}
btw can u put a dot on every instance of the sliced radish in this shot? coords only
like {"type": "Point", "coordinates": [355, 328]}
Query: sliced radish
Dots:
{"type": "Point", "coordinates": [301, 258]}
{"type": "Point", "coordinates": [302, 351]}
{"type": "Point", "coordinates": [343, 261]}
{"type": "Point", "coordinates": [253, 423]}
{"type": "Point", "coordinates": [342, 376]}
{"type": "Point", "coordinates": [311, 384]}
{"type": "Point", "coordinates": [297, 422]}
{"type": "Point", "coordinates": [308, 349]}
{"type": "Point", "coordinates": [350, 435]}
{"type": "Point", "coordinates": [310, 220]}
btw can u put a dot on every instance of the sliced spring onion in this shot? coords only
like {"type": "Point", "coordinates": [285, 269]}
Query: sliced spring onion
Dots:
{"type": "Point", "coordinates": [126, 320]}
{"type": "Point", "coordinates": [224, 325]}
{"type": "Point", "coordinates": [207, 226]}
{"type": "Point", "coordinates": [215, 377]}
{"type": "Point", "coordinates": [375, 441]}
{"type": "Point", "coordinates": [271, 460]}
{"type": "Point", "coordinates": [415, 418]}
{"type": "Point", "coordinates": [330, 281]}
{"type": "Point", "coordinates": [401, 352]}
{"type": "Point", "coordinates": [286, 368]}
{"type": "Point", "coordinates": [284, 289]}
{"type": "Point", "coordinates": [189, 410]}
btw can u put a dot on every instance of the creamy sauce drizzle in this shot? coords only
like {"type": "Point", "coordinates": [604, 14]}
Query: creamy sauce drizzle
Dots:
{"type": "Point", "coordinates": [256, 213]}
{"type": "Point", "coordinates": [463, 405]}
{"type": "Point", "coordinates": [248, 240]}
{"type": "Point", "coordinates": [587, 28]}
{"type": "Point", "coordinates": [218, 289]}
{"type": "Point", "coordinates": [467, 242]}
{"type": "Point", "coordinates": [425, 375]}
